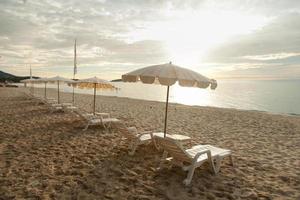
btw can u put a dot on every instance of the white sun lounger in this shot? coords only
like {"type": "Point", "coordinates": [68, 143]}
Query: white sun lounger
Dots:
{"type": "Point", "coordinates": [69, 107]}
{"type": "Point", "coordinates": [62, 107]}
{"type": "Point", "coordinates": [136, 138]}
{"type": "Point", "coordinates": [192, 158]}
{"type": "Point", "coordinates": [54, 106]}
{"type": "Point", "coordinates": [66, 104]}
{"type": "Point", "coordinates": [98, 115]}
{"type": "Point", "coordinates": [45, 101]}
{"type": "Point", "coordinates": [99, 119]}
{"type": "Point", "coordinates": [51, 100]}
{"type": "Point", "coordinates": [139, 138]}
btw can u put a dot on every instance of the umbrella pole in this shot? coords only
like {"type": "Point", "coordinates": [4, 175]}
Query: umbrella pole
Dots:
{"type": "Point", "coordinates": [45, 90]}
{"type": "Point", "coordinates": [94, 97]}
{"type": "Point", "coordinates": [166, 112]}
{"type": "Point", "coordinates": [73, 97]}
{"type": "Point", "coordinates": [32, 86]}
{"type": "Point", "coordinates": [57, 91]}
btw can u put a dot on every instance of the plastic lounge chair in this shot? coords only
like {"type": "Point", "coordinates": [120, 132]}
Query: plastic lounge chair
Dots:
{"type": "Point", "coordinates": [93, 120]}
{"type": "Point", "coordinates": [41, 100]}
{"type": "Point", "coordinates": [66, 104]}
{"type": "Point", "coordinates": [107, 122]}
{"type": "Point", "coordinates": [103, 115]}
{"type": "Point", "coordinates": [69, 107]}
{"type": "Point", "coordinates": [51, 100]}
{"type": "Point", "coordinates": [192, 158]}
{"type": "Point", "coordinates": [139, 138]}
{"type": "Point", "coordinates": [56, 107]}
{"type": "Point", "coordinates": [97, 115]}
{"type": "Point", "coordinates": [61, 107]}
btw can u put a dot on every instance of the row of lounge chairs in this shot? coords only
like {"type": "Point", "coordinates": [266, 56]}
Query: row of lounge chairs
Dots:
{"type": "Point", "coordinates": [173, 151]}
{"type": "Point", "coordinates": [102, 119]}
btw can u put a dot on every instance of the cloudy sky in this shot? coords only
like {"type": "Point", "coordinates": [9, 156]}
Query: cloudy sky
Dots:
{"type": "Point", "coordinates": [220, 39]}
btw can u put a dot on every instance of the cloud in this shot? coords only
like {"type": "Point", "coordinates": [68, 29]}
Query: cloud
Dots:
{"type": "Point", "coordinates": [276, 56]}
{"type": "Point", "coordinates": [43, 33]}
{"type": "Point", "coordinates": [276, 44]}
{"type": "Point", "coordinates": [261, 71]}
{"type": "Point", "coordinates": [281, 36]}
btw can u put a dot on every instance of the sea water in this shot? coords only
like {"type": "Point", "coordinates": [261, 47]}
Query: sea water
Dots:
{"type": "Point", "coordinates": [276, 96]}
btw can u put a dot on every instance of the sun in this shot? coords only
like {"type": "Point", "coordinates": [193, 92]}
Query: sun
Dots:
{"type": "Point", "coordinates": [191, 38]}
{"type": "Point", "coordinates": [188, 36]}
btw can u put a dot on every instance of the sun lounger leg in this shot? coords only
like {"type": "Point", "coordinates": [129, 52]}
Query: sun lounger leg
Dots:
{"type": "Point", "coordinates": [133, 148]}
{"type": "Point", "coordinates": [162, 160]}
{"type": "Point", "coordinates": [231, 161]}
{"type": "Point", "coordinates": [108, 128]}
{"type": "Point", "coordinates": [86, 127]}
{"type": "Point", "coordinates": [155, 143]}
{"type": "Point", "coordinates": [190, 175]}
{"type": "Point", "coordinates": [218, 165]}
{"type": "Point", "coordinates": [215, 165]}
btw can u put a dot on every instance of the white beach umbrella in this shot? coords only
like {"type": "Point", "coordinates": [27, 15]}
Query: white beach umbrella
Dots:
{"type": "Point", "coordinates": [95, 83]}
{"type": "Point", "coordinates": [168, 74]}
{"type": "Point", "coordinates": [45, 81]}
{"type": "Point", "coordinates": [58, 80]}
{"type": "Point", "coordinates": [29, 80]}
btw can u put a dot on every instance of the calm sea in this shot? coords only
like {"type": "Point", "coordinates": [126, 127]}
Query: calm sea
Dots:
{"type": "Point", "coordinates": [276, 96]}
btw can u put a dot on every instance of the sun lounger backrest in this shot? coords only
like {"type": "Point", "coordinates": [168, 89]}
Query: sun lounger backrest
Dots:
{"type": "Point", "coordinates": [129, 133]}
{"type": "Point", "coordinates": [132, 130]}
{"type": "Point", "coordinates": [173, 148]}
{"type": "Point", "coordinates": [80, 114]}
{"type": "Point", "coordinates": [85, 116]}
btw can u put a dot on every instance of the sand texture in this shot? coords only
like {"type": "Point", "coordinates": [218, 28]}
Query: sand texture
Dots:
{"type": "Point", "coordinates": [46, 155]}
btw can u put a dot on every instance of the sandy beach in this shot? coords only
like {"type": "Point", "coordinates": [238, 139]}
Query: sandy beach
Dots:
{"type": "Point", "coordinates": [45, 155]}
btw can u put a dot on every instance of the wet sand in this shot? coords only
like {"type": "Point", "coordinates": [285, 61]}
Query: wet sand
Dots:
{"type": "Point", "coordinates": [45, 155]}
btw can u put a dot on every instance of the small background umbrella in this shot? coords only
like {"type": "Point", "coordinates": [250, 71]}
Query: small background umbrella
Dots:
{"type": "Point", "coordinates": [168, 74]}
{"type": "Point", "coordinates": [95, 83]}
{"type": "Point", "coordinates": [59, 80]}
{"type": "Point", "coordinates": [29, 80]}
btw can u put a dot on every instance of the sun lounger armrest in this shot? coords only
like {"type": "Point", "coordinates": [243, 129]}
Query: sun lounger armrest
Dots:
{"type": "Point", "coordinates": [103, 115]}
{"type": "Point", "coordinates": [144, 133]}
{"type": "Point", "coordinates": [205, 151]}
{"type": "Point", "coordinates": [147, 132]}
{"type": "Point", "coordinates": [66, 104]}
{"type": "Point", "coordinates": [209, 158]}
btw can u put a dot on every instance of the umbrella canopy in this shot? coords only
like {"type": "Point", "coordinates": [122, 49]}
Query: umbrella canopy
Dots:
{"type": "Point", "coordinates": [58, 80]}
{"type": "Point", "coordinates": [91, 82]}
{"type": "Point", "coordinates": [29, 80]}
{"type": "Point", "coordinates": [41, 80]}
{"type": "Point", "coordinates": [168, 74]}
{"type": "Point", "coordinates": [95, 83]}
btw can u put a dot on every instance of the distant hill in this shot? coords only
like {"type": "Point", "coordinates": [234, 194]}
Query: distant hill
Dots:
{"type": "Point", "coordinates": [12, 78]}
